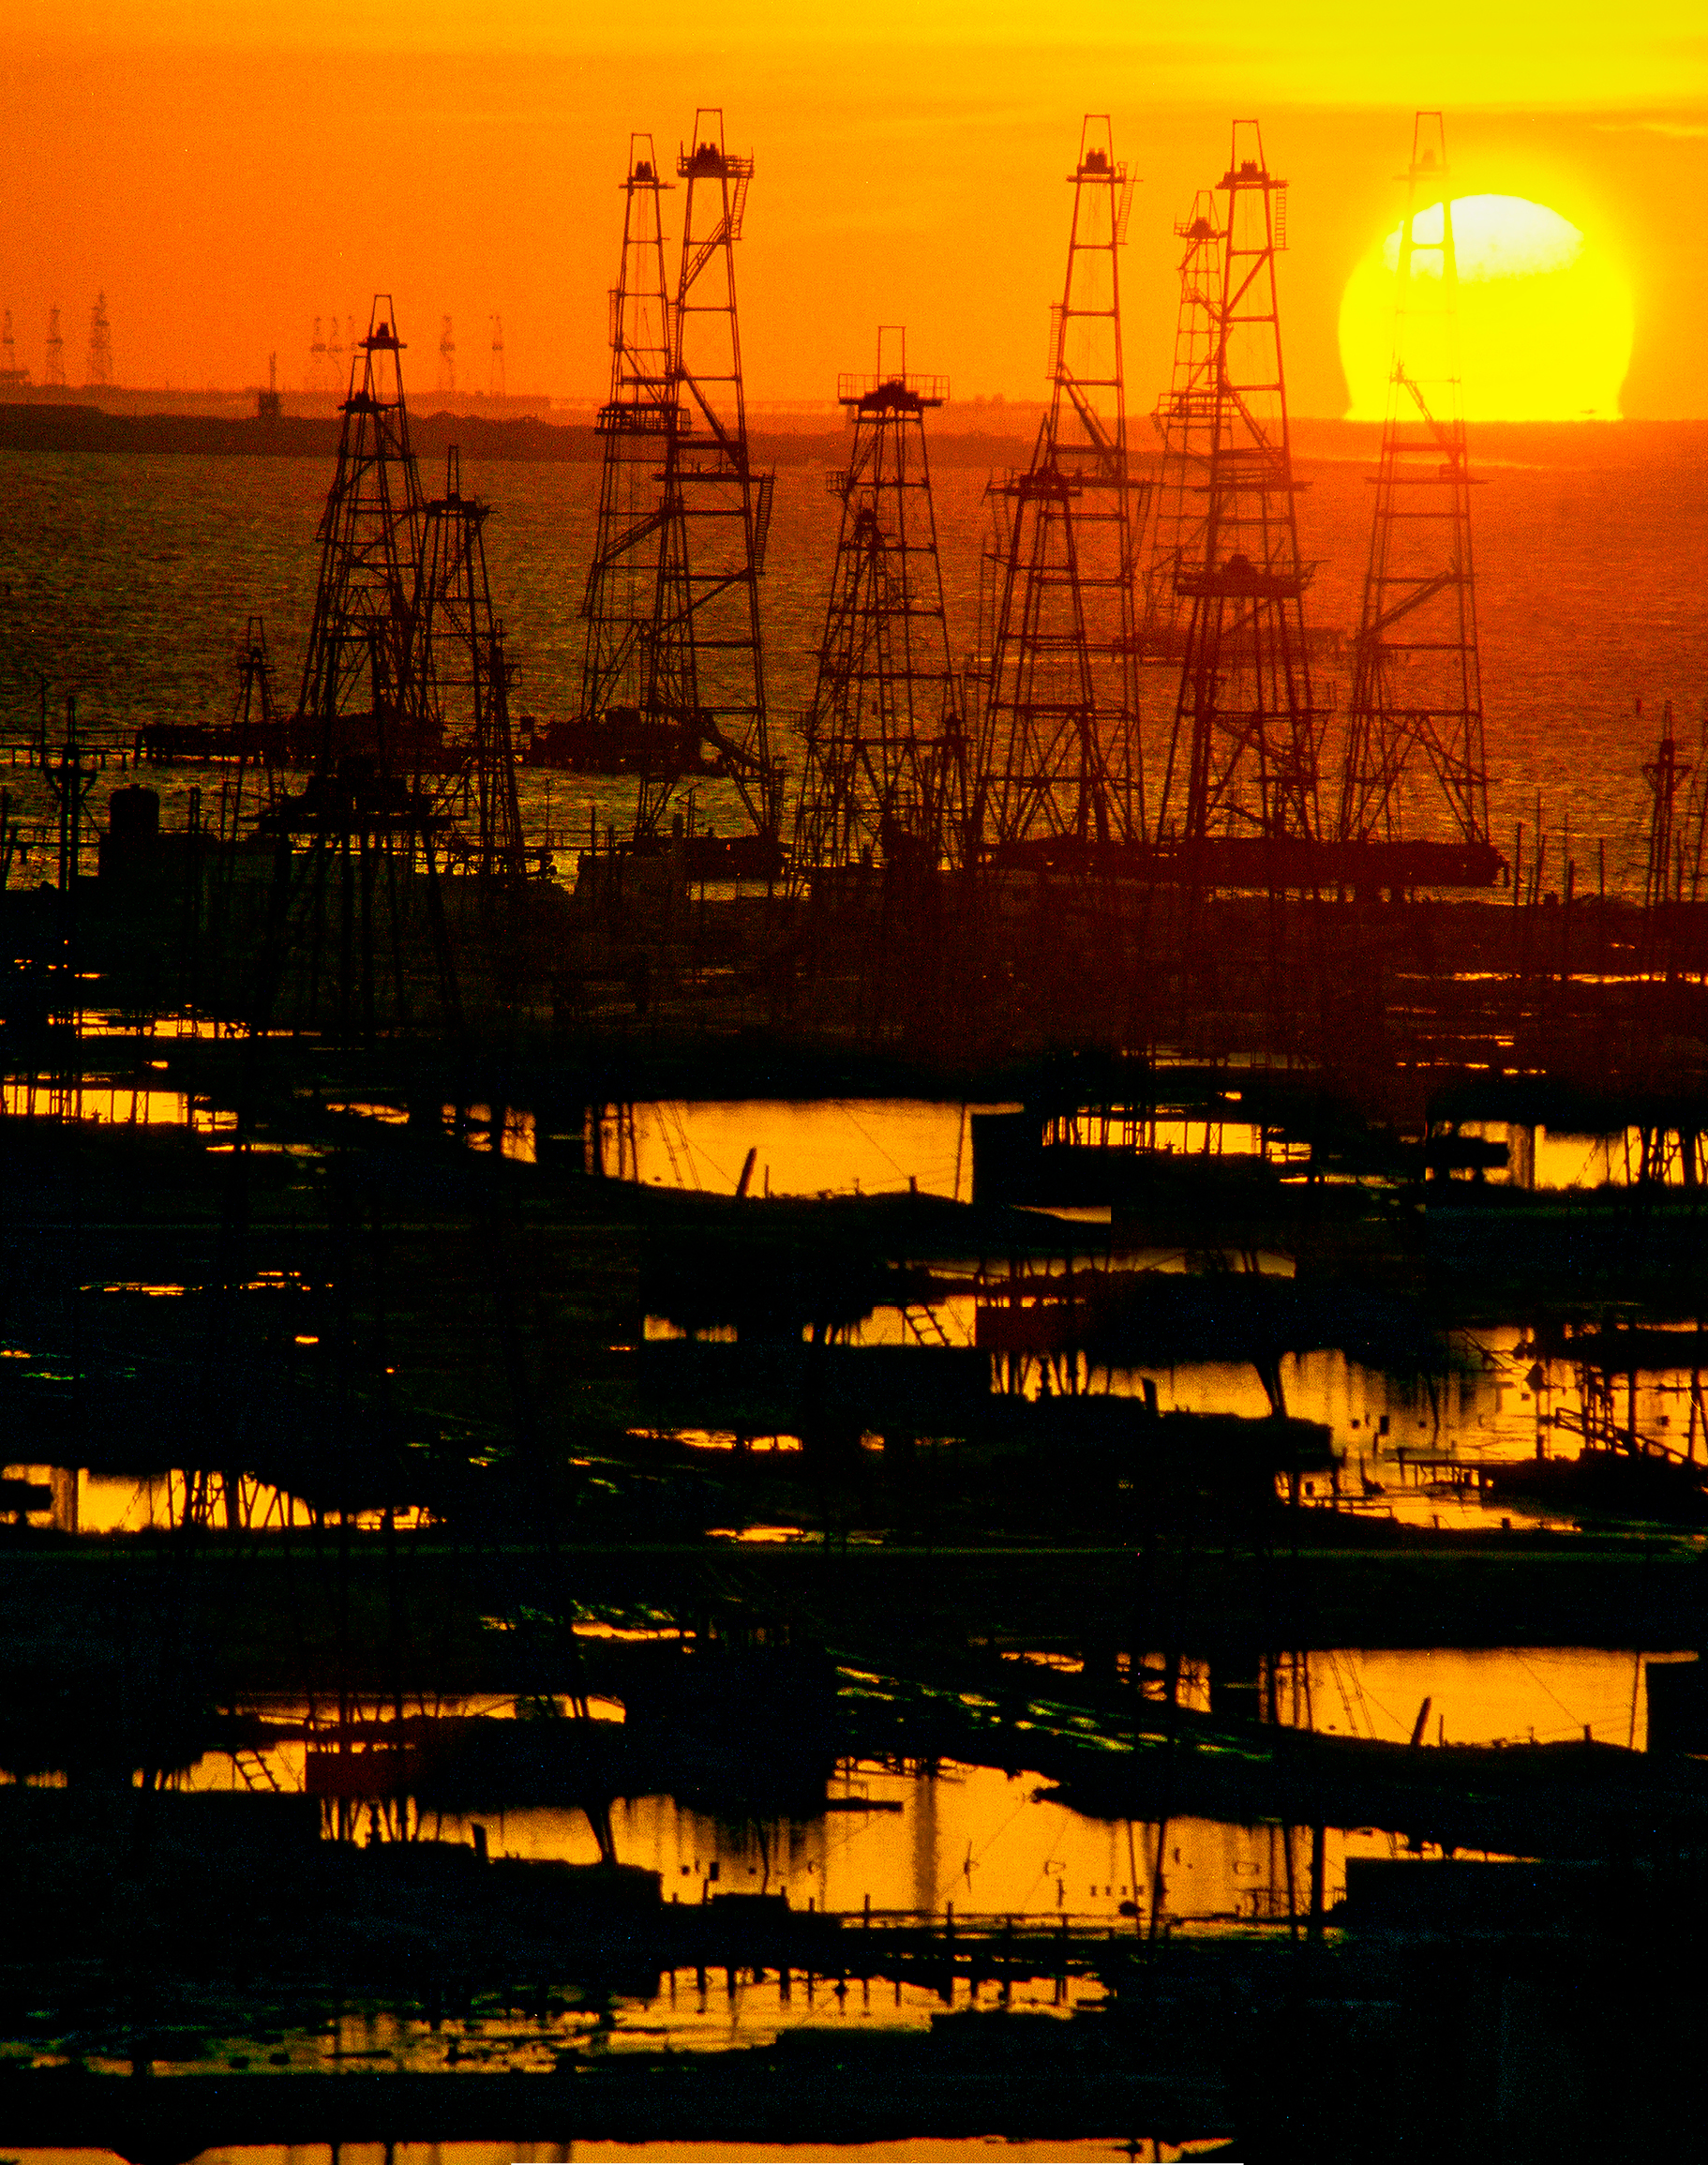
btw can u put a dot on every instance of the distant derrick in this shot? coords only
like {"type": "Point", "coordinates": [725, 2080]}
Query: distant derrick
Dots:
{"type": "Point", "coordinates": [100, 374]}
{"type": "Point", "coordinates": [1185, 421]}
{"type": "Point", "coordinates": [54, 370]}
{"type": "Point", "coordinates": [447, 357]}
{"type": "Point", "coordinates": [885, 750]}
{"type": "Point", "coordinates": [495, 371]}
{"type": "Point", "coordinates": [704, 673]}
{"type": "Point", "coordinates": [1058, 760]}
{"type": "Point", "coordinates": [618, 603]}
{"type": "Point", "coordinates": [1417, 680]}
{"type": "Point", "coordinates": [361, 692]}
{"type": "Point", "coordinates": [11, 373]}
{"type": "Point", "coordinates": [316, 378]}
{"type": "Point", "coordinates": [461, 645]}
{"type": "Point", "coordinates": [1244, 749]}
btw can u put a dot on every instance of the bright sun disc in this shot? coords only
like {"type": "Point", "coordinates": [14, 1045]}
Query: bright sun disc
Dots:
{"type": "Point", "coordinates": [1544, 319]}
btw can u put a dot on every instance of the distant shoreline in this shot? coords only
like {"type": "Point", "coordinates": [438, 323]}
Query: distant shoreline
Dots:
{"type": "Point", "coordinates": [67, 428]}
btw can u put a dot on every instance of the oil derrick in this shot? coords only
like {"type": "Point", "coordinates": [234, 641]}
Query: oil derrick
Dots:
{"type": "Point", "coordinates": [336, 349]}
{"type": "Point", "coordinates": [341, 915]}
{"type": "Point", "coordinates": [495, 368]}
{"type": "Point", "coordinates": [885, 765]}
{"type": "Point", "coordinates": [1416, 685]}
{"type": "Point", "coordinates": [255, 742]}
{"type": "Point", "coordinates": [704, 664]}
{"type": "Point", "coordinates": [462, 646]}
{"type": "Point", "coordinates": [1058, 762]}
{"type": "Point", "coordinates": [101, 346]}
{"type": "Point", "coordinates": [1664, 774]}
{"type": "Point", "coordinates": [447, 356]}
{"type": "Point", "coordinates": [362, 694]}
{"type": "Point", "coordinates": [53, 368]}
{"type": "Point", "coordinates": [1184, 420]}
{"type": "Point", "coordinates": [316, 378]}
{"type": "Point", "coordinates": [10, 370]}
{"type": "Point", "coordinates": [1243, 750]}
{"type": "Point", "coordinates": [634, 424]}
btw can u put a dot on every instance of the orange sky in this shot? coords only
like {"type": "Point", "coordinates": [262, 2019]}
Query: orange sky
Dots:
{"type": "Point", "coordinates": [225, 179]}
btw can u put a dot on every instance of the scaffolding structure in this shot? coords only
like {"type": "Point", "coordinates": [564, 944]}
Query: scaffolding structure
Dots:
{"type": "Point", "coordinates": [447, 356]}
{"type": "Point", "coordinates": [54, 367]}
{"type": "Point", "coordinates": [1059, 752]}
{"type": "Point", "coordinates": [363, 693]}
{"type": "Point", "coordinates": [1416, 683]}
{"type": "Point", "coordinates": [1184, 420]}
{"type": "Point", "coordinates": [634, 424]}
{"type": "Point", "coordinates": [461, 643]}
{"type": "Point", "coordinates": [495, 367]}
{"type": "Point", "coordinates": [1244, 749]}
{"type": "Point", "coordinates": [885, 750]}
{"type": "Point", "coordinates": [704, 676]}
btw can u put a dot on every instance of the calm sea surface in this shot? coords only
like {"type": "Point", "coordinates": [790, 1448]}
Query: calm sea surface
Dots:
{"type": "Point", "coordinates": [128, 579]}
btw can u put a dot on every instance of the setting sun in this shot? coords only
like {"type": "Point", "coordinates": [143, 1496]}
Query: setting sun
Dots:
{"type": "Point", "coordinates": [1545, 318]}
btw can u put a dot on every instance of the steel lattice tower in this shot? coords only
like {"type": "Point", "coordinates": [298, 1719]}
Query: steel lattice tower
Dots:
{"type": "Point", "coordinates": [461, 646]}
{"type": "Point", "coordinates": [885, 765]}
{"type": "Point", "coordinates": [1246, 727]}
{"type": "Point", "coordinates": [634, 423]}
{"type": "Point", "coordinates": [704, 664]}
{"type": "Point", "coordinates": [1184, 419]}
{"type": "Point", "coordinates": [54, 370]}
{"type": "Point", "coordinates": [1416, 683]}
{"type": "Point", "coordinates": [361, 692]}
{"type": "Point", "coordinates": [1059, 743]}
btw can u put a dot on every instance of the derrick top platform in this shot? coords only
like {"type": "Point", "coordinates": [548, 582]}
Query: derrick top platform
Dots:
{"type": "Point", "coordinates": [890, 393]}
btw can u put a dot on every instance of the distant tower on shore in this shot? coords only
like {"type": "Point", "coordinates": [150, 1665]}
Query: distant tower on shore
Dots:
{"type": "Point", "coordinates": [11, 373]}
{"type": "Point", "coordinates": [316, 378]}
{"type": "Point", "coordinates": [336, 349]}
{"type": "Point", "coordinates": [495, 372]}
{"type": "Point", "coordinates": [447, 355]}
{"type": "Point", "coordinates": [101, 346]}
{"type": "Point", "coordinates": [53, 370]}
